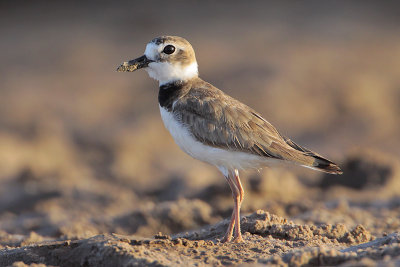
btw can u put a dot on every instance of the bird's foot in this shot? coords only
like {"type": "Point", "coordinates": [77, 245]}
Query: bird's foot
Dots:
{"type": "Point", "coordinates": [238, 239]}
{"type": "Point", "coordinates": [226, 239]}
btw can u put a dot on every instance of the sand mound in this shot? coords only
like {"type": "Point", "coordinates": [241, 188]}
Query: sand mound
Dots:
{"type": "Point", "coordinates": [269, 239]}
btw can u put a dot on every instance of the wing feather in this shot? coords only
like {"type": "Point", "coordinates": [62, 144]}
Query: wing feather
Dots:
{"type": "Point", "coordinates": [221, 121]}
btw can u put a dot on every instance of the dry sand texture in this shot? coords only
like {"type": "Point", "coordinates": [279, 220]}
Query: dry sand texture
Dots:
{"type": "Point", "coordinates": [89, 176]}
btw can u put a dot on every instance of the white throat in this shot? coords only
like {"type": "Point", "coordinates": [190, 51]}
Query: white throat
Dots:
{"type": "Point", "coordinates": [165, 72]}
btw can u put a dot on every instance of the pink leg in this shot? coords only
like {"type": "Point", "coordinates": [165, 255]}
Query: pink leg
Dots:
{"type": "Point", "coordinates": [238, 202]}
{"type": "Point", "coordinates": [239, 186]}
{"type": "Point", "coordinates": [238, 194]}
{"type": "Point", "coordinates": [234, 189]}
{"type": "Point", "coordinates": [229, 232]}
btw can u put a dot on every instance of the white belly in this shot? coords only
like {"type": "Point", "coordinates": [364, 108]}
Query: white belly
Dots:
{"type": "Point", "coordinates": [221, 158]}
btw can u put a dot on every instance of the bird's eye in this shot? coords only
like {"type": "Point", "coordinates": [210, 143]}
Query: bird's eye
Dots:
{"type": "Point", "coordinates": [169, 49]}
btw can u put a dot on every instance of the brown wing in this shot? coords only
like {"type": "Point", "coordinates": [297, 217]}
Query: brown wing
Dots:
{"type": "Point", "coordinates": [221, 121]}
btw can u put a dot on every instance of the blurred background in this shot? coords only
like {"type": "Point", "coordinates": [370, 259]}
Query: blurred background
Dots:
{"type": "Point", "coordinates": [83, 149]}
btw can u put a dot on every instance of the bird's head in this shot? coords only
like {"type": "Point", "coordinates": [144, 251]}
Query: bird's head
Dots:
{"type": "Point", "coordinates": [166, 59]}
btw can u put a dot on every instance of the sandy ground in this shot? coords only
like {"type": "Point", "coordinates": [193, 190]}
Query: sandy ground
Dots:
{"type": "Point", "coordinates": [90, 177]}
{"type": "Point", "coordinates": [70, 227]}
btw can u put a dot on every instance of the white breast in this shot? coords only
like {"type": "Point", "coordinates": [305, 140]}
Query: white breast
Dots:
{"type": "Point", "coordinates": [216, 156]}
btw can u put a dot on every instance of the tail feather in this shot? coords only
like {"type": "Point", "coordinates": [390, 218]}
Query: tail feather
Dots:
{"type": "Point", "coordinates": [319, 163]}
{"type": "Point", "coordinates": [325, 165]}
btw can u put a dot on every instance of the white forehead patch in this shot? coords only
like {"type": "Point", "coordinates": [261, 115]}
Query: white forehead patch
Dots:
{"type": "Point", "coordinates": [152, 50]}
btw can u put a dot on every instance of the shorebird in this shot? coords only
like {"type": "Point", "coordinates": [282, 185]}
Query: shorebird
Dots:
{"type": "Point", "coordinates": [213, 127]}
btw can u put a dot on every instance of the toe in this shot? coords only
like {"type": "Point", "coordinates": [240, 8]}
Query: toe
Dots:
{"type": "Point", "coordinates": [238, 239]}
{"type": "Point", "coordinates": [226, 239]}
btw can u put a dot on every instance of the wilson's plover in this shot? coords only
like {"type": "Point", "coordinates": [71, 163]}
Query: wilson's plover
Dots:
{"type": "Point", "coordinates": [213, 127]}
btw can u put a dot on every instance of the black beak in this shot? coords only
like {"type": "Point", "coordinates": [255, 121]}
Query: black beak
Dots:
{"type": "Point", "coordinates": [134, 64]}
